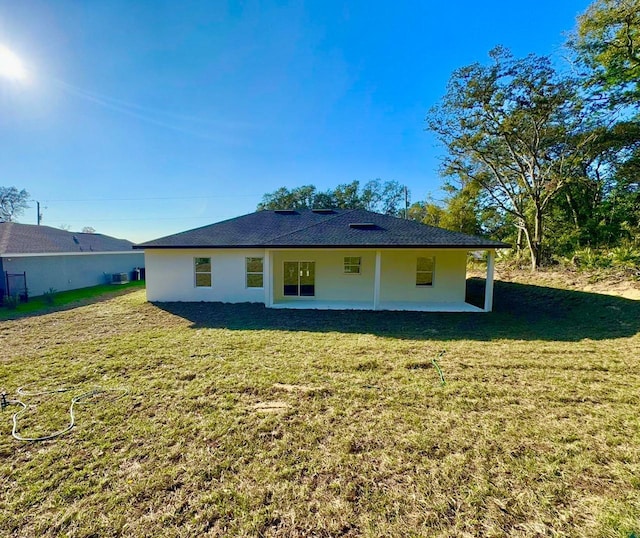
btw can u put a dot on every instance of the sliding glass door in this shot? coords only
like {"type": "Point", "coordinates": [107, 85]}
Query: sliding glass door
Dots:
{"type": "Point", "coordinates": [299, 279]}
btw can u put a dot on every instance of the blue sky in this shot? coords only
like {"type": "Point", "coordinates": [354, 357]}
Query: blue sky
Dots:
{"type": "Point", "coordinates": [146, 118]}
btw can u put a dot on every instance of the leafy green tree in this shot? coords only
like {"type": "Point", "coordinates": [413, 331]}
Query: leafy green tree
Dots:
{"type": "Point", "coordinates": [13, 202]}
{"type": "Point", "coordinates": [598, 209]}
{"type": "Point", "coordinates": [324, 200]}
{"type": "Point", "coordinates": [393, 198]}
{"type": "Point", "coordinates": [383, 197]}
{"type": "Point", "coordinates": [283, 198]}
{"type": "Point", "coordinates": [462, 209]}
{"type": "Point", "coordinates": [371, 195]}
{"type": "Point", "coordinates": [607, 43]}
{"type": "Point", "coordinates": [426, 213]}
{"type": "Point", "coordinates": [619, 211]}
{"type": "Point", "coordinates": [514, 131]}
{"type": "Point", "coordinates": [347, 196]}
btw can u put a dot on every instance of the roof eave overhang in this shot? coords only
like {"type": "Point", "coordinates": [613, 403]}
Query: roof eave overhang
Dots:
{"type": "Point", "coordinates": [323, 247]}
{"type": "Point", "coordinates": [82, 253]}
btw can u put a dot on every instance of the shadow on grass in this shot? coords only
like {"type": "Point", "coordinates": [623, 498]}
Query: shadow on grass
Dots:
{"type": "Point", "coordinates": [521, 312]}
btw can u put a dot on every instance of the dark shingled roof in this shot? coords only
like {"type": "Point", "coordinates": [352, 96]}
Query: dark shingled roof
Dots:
{"type": "Point", "coordinates": [30, 239]}
{"type": "Point", "coordinates": [306, 228]}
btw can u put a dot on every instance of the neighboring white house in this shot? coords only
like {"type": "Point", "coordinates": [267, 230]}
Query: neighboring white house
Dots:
{"type": "Point", "coordinates": [322, 259]}
{"type": "Point", "coordinates": [43, 258]}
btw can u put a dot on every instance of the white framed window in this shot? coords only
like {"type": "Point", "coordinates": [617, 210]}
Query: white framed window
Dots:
{"type": "Point", "coordinates": [424, 271]}
{"type": "Point", "coordinates": [255, 272]}
{"type": "Point", "coordinates": [352, 265]}
{"type": "Point", "coordinates": [202, 271]}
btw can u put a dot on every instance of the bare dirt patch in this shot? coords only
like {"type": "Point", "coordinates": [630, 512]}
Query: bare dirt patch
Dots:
{"type": "Point", "coordinates": [619, 284]}
{"type": "Point", "coordinates": [273, 406]}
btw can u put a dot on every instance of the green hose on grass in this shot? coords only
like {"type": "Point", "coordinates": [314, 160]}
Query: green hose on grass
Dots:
{"type": "Point", "coordinates": [438, 369]}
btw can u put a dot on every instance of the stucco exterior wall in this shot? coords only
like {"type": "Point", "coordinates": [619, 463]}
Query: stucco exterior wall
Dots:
{"type": "Point", "coordinates": [398, 277]}
{"type": "Point", "coordinates": [170, 276]}
{"type": "Point", "coordinates": [332, 284]}
{"type": "Point", "coordinates": [69, 272]}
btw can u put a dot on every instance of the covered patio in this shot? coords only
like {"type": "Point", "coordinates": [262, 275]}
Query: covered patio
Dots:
{"type": "Point", "coordinates": [274, 300]}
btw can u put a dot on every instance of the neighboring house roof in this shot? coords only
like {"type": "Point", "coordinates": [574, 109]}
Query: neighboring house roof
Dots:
{"type": "Point", "coordinates": [18, 238]}
{"type": "Point", "coordinates": [306, 228]}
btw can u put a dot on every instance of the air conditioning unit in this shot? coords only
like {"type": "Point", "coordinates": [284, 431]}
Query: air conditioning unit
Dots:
{"type": "Point", "coordinates": [119, 278]}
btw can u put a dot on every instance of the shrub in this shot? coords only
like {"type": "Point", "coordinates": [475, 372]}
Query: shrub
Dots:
{"type": "Point", "coordinates": [625, 256]}
{"type": "Point", "coordinates": [514, 259]}
{"type": "Point", "coordinates": [11, 301]}
{"type": "Point", "coordinates": [590, 259]}
{"type": "Point", "coordinates": [49, 296]}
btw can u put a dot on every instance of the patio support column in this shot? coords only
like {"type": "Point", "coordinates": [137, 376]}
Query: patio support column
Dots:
{"type": "Point", "coordinates": [376, 281]}
{"type": "Point", "coordinates": [488, 287]}
{"type": "Point", "coordinates": [267, 279]}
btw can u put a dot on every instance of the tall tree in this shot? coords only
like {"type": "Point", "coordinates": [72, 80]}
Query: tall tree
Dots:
{"type": "Point", "coordinates": [606, 46]}
{"type": "Point", "coordinates": [426, 212]}
{"type": "Point", "coordinates": [371, 195]}
{"type": "Point", "coordinates": [347, 196]}
{"type": "Point", "coordinates": [462, 209]}
{"type": "Point", "coordinates": [12, 203]}
{"type": "Point", "coordinates": [513, 130]}
{"type": "Point", "coordinates": [393, 198]}
{"type": "Point", "coordinates": [607, 43]}
{"type": "Point", "coordinates": [603, 207]}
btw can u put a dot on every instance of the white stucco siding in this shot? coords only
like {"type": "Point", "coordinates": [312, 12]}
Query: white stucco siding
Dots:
{"type": "Point", "coordinates": [170, 275]}
{"type": "Point", "coordinates": [332, 284]}
{"type": "Point", "coordinates": [398, 277]}
{"type": "Point", "coordinates": [64, 272]}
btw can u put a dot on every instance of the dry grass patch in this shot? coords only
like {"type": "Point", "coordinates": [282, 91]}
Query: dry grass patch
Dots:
{"type": "Point", "coordinates": [242, 421]}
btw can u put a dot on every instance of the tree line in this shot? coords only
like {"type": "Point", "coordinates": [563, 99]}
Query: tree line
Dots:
{"type": "Point", "coordinates": [548, 157]}
{"type": "Point", "coordinates": [544, 157]}
{"type": "Point", "coordinates": [388, 197]}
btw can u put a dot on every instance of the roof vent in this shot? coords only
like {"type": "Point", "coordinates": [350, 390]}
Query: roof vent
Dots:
{"type": "Point", "coordinates": [323, 211]}
{"type": "Point", "coordinates": [285, 211]}
{"type": "Point", "coordinates": [363, 225]}
{"type": "Point", "coordinates": [75, 240]}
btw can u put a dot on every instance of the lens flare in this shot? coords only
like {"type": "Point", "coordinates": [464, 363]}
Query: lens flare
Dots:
{"type": "Point", "coordinates": [10, 65]}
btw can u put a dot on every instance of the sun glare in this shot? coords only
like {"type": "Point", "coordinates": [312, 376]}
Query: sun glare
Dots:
{"type": "Point", "coordinates": [10, 65]}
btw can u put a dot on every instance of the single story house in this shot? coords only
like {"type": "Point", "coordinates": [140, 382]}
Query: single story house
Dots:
{"type": "Point", "coordinates": [318, 258]}
{"type": "Point", "coordinates": [39, 258]}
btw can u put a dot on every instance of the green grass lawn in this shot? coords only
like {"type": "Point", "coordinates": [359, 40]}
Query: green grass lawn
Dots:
{"type": "Point", "coordinates": [43, 304]}
{"type": "Point", "coordinates": [243, 421]}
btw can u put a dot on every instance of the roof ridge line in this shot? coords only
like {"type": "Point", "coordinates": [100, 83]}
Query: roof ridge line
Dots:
{"type": "Point", "coordinates": [347, 211]}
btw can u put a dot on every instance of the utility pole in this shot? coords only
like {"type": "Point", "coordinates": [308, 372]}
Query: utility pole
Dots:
{"type": "Point", "coordinates": [406, 203]}
{"type": "Point", "coordinates": [39, 214]}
